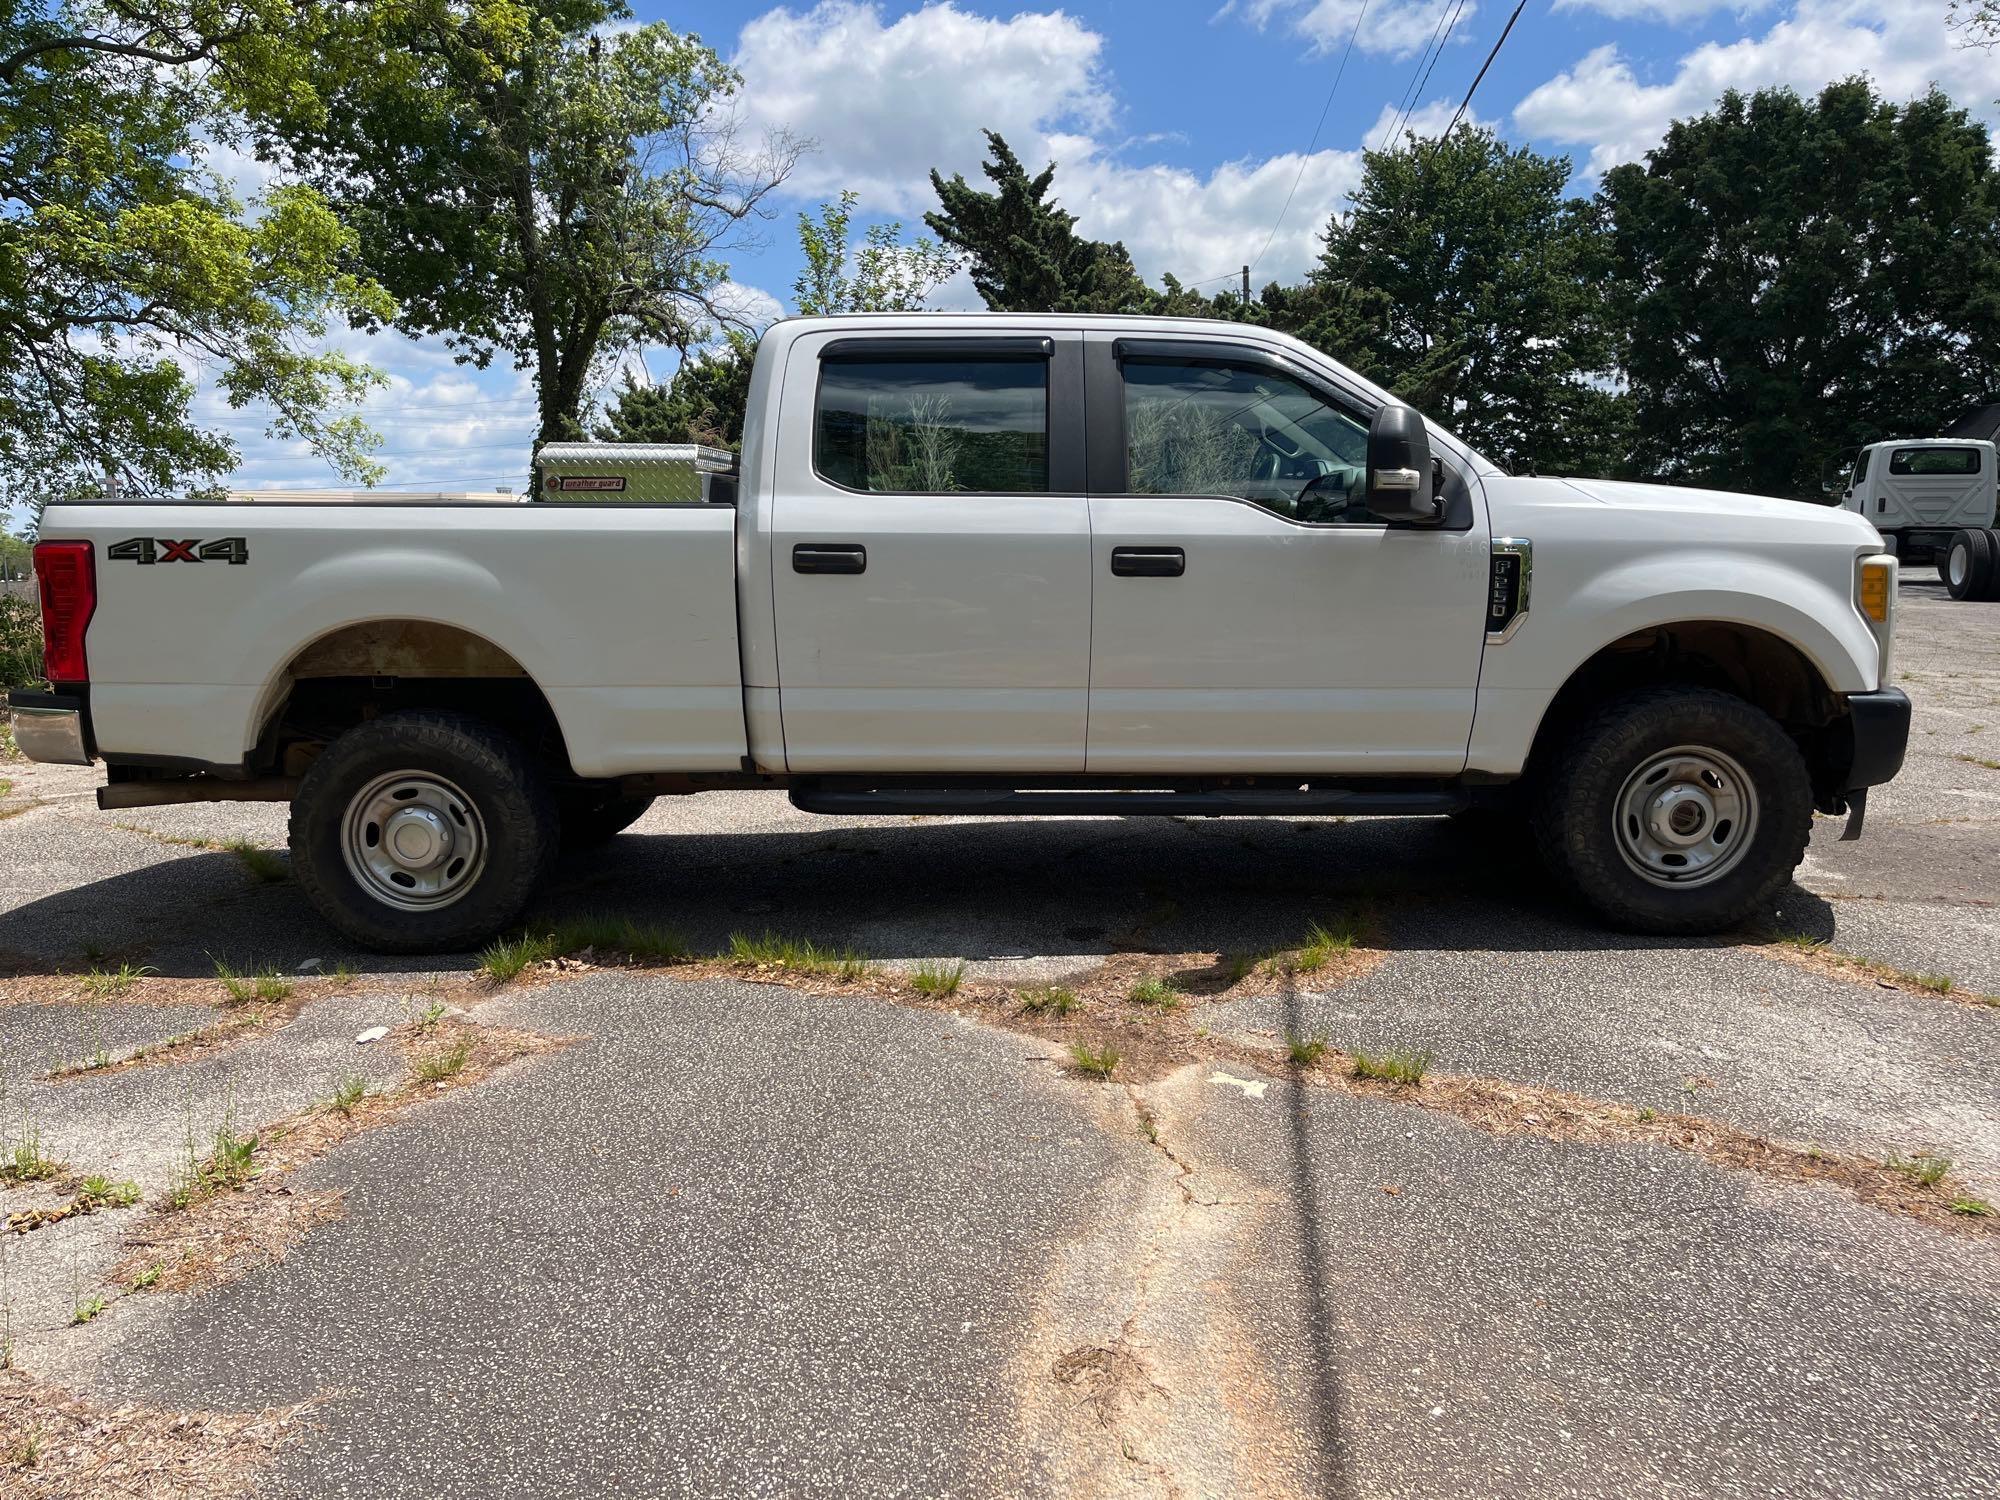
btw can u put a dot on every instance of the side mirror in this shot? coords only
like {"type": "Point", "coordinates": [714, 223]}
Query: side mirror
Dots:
{"type": "Point", "coordinates": [1400, 486]}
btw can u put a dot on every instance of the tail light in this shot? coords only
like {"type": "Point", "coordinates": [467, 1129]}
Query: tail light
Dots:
{"type": "Point", "coordinates": [67, 573]}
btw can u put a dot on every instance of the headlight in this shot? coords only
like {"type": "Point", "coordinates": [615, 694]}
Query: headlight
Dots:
{"type": "Point", "coordinates": [1875, 596]}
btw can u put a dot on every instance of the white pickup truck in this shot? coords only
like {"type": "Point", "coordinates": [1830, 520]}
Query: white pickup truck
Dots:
{"type": "Point", "coordinates": [991, 565]}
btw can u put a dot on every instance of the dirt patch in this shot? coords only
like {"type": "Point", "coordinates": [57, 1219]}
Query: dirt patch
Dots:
{"type": "Point", "coordinates": [56, 1446]}
{"type": "Point", "coordinates": [234, 1223]}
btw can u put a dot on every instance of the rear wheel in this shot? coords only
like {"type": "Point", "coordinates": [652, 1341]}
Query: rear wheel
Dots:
{"type": "Point", "coordinates": [1676, 810]}
{"type": "Point", "coordinates": [422, 832]}
{"type": "Point", "coordinates": [592, 816]}
{"type": "Point", "coordinates": [1968, 564]}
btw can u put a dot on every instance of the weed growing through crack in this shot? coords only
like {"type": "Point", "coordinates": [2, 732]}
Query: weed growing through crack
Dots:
{"type": "Point", "coordinates": [26, 1161]}
{"type": "Point", "coordinates": [348, 1092]}
{"type": "Point", "coordinates": [267, 865]}
{"type": "Point", "coordinates": [1937, 984]}
{"type": "Point", "coordinates": [1398, 1067]}
{"type": "Point", "coordinates": [1093, 1062]}
{"type": "Point", "coordinates": [85, 1310]}
{"type": "Point", "coordinates": [1304, 1051]}
{"type": "Point", "coordinates": [1647, 1114]}
{"type": "Point", "coordinates": [147, 1277]}
{"type": "Point", "coordinates": [264, 984]}
{"type": "Point", "coordinates": [231, 1161]}
{"type": "Point", "coordinates": [607, 934]}
{"type": "Point", "coordinates": [508, 958]}
{"type": "Point", "coordinates": [770, 951]}
{"type": "Point", "coordinates": [1323, 945]}
{"type": "Point", "coordinates": [103, 984]}
{"type": "Point", "coordinates": [1972, 1208]}
{"type": "Point", "coordinates": [444, 1062]}
{"type": "Point", "coordinates": [1048, 1000]}
{"type": "Point", "coordinates": [1978, 760]}
{"type": "Point", "coordinates": [427, 1019]}
{"type": "Point", "coordinates": [1160, 994]}
{"type": "Point", "coordinates": [102, 1192]}
{"type": "Point", "coordinates": [1925, 1170]}
{"type": "Point", "coordinates": [938, 979]}
{"type": "Point", "coordinates": [343, 973]}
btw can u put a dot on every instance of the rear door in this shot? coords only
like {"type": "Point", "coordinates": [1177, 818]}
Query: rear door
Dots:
{"type": "Point", "coordinates": [931, 553]}
{"type": "Point", "coordinates": [1249, 615]}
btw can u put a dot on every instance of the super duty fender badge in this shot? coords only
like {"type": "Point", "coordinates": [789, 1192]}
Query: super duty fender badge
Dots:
{"type": "Point", "coordinates": [147, 550]}
{"type": "Point", "coordinates": [1510, 572]}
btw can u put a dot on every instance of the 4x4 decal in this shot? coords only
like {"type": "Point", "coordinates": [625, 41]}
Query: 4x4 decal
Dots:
{"type": "Point", "coordinates": [146, 550]}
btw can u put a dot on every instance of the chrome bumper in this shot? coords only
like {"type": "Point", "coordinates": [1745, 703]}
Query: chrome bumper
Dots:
{"type": "Point", "coordinates": [49, 728]}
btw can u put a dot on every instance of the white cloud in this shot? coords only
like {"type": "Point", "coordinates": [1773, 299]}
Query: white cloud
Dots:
{"type": "Point", "coordinates": [1672, 11]}
{"type": "Point", "coordinates": [1903, 45]}
{"type": "Point", "coordinates": [887, 102]}
{"type": "Point", "coordinates": [751, 304]}
{"type": "Point", "coordinates": [1396, 28]}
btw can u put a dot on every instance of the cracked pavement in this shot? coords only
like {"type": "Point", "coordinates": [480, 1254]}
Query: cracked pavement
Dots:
{"type": "Point", "coordinates": [744, 1238]}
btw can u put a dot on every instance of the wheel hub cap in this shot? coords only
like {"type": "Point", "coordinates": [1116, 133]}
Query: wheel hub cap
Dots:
{"type": "Point", "coordinates": [413, 840]}
{"type": "Point", "coordinates": [1686, 816]}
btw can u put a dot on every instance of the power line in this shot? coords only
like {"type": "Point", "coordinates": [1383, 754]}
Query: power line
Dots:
{"type": "Point", "coordinates": [1466, 102]}
{"type": "Point", "coordinates": [1348, 52]}
{"type": "Point", "coordinates": [1413, 95]}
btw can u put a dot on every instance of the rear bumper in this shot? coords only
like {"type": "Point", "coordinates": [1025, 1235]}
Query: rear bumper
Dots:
{"type": "Point", "coordinates": [53, 728]}
{"type": "Point", "coordinates": [1880, 726]}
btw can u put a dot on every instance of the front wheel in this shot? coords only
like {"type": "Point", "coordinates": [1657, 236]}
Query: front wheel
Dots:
{"type": "Point", "coordinates": [422, 832]}
{"type": "Point", "coordinates": [1676, 810]}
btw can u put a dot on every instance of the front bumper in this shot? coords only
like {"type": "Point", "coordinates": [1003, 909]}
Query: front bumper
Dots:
{"type": "Point", "coordinates": [53, 728]}
{"type": "Point", "coordinates": [1879, 724]}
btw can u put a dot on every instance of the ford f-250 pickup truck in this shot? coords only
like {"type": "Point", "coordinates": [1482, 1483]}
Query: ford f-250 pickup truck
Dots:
{"type": "Point", "coordinates": [987, 565]}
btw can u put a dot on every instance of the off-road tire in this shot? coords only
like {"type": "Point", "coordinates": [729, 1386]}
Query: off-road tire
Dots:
{"type": "Point", "coordinates": [591, 816]}
{"type": "Point", "coordinates": [1970, 557]}
{"type": "Point", "coordinates": [493, 772]}
{"type": "Point", "coordinates": [1577, 794]}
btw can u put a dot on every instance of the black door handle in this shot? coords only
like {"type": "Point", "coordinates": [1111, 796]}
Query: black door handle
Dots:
{"type": "Point", "coordinates": [1148, 562]}
{"type": "Point", "coordinates": [829, 557]}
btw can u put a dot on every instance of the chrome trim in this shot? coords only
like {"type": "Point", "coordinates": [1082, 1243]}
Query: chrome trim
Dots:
{"type": "Point", "coordinates": [1521, 547]}
{"type": "Point", "coordinates": [53, 736]}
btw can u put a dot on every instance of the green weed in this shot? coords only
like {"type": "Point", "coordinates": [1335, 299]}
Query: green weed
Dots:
{"type": "Point", "coordinates": [1392, 1067]}
{"type": "Point", "coordinates": [510, 957]}
{"type": "Point", "coordinates": [444, 1062]}
{"type": "Point", "coordinates": [1304, 1051]}
{"type": "Point", "coordinates": [85, 1310]}
{"type": "Point", "coordinates": [103, 984]}
{"type": "Point", "coordinates": [1048, 1000]}
{"type": "Point", "coordinates": [146, 1277]}
{"type": "Point", "coordinates": [1925, 1170]}
{"type": "Point", "coordinates": [1323, 945]}
{"type": "Point", "coordinates": [1093, 1062]}
{"type": "Point", "coordinates": [937, 979]}
{"type": "Point", "coordinates": [1158, 993]}
{"type": "Point", "coordinates": [1972, 1208]}
{"type": "Point", "coordinates": [348, 1092]}
{"type": "Point", "coordinates": [770, 951]}
{"type": "Point", "coordinates": [266, 865]}
{"type": "Point", "coordinates": [265, 984]}
{"type": "Point", "coordinates": [102, 1192]}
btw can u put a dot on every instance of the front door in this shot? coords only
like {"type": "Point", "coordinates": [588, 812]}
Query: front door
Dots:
{"type": "Point", "coordinates": [1248, 614]}
{"type": "Point", "coordinates": [931, 554]}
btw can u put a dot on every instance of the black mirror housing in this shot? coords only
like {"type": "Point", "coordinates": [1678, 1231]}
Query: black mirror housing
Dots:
{"type": "Point", "coordinates": [1400, 486]}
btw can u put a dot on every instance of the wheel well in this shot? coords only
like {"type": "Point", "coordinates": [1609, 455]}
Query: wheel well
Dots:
{"type": "Point", "coordinates": [361, 671]}
{"type": "Point", "coordinates": [1752, 664]}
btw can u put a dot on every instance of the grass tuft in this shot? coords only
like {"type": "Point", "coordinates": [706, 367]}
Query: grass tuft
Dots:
{"type": "Point", "coordinates": [348, 1092]}
{"type": "Point", "coordinates": [27, 1161]}
{"type": "Point", "coordinates": [938, 979]}
{"type": "Point", "coordinates": [231, 1161]}
{"type": "Point", "coordinates": [103, 984]}
{"type": "Point", "coordinates": [1925, 1170]}
{"type": "Point", "coordinates": [1304, 1051]}
{"type": "Point", "coordinates": [1398, 1067]}
{"type": "Point", "coordinates": [1323, 945]}
{"type": "Point", "coordinates": [266, 865]}
{"type": "Point", "coordinates": [102, 1192]}
{"type": "Point", "coordinates": [147, 1277]}
{"type": "Point", "coordinates": [1972, 1208]}
{"type": "Point", "coordinates": [508, 958]}
{"type": "Point", "coordinates": [1158, 993]}
{"type": "Point", "coordinates": [265, 984]}
{"type": "Point", "coordinates": [85, 1310]}
{"type": "Point", "coordinates": [1048, 1000]}
{"type": "Point", "coordinates": [770, 951]}
{"type": "Point", "coordinates": [1093, 1062]}
{"type": "Point", "coordinates": [609, 934]}
{"type": "Point", "coordinates": [444, 1062]}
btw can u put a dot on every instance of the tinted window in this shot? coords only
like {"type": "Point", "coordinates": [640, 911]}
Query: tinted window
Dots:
{"type": "Point", "coordinates": [934, 426]}
{"type": "Point", "coordinates": [1860, 469]}
{"type": "Point", "coordinates": [1256, 435]}
{"type": "Point", "coordinates": [1934, 461]}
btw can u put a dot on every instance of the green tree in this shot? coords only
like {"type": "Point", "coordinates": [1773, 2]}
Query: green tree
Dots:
{"type": "Point", "coordinates": [1024, 252]}
{"type": "Point", "coordinates": [1803, 276]}
{"type": "Point", "coordinates": [124, 263]}
{"type": "Point", "coordinates": [530, 182]}
{"type": "Point", "coordinates": [885, 275]}
{"type": "Point", "coordinates": [704, 403]}
{"type": "Point", "coordinates": [1464, 280]}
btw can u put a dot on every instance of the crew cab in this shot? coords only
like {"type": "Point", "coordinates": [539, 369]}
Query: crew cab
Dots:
{"type": "Point", "coordinates": [991, 564]}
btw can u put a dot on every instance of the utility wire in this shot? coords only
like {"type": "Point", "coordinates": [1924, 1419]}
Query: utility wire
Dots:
{"type": "Point", "coordinates": [1305, 160]}
{"type": "Point", "coordinates": [1413, 95]}
{"type": "Point", "coordinates": [1466, 102]}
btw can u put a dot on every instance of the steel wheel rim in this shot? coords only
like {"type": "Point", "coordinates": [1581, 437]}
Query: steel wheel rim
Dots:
{"type": "Point", "coordinates": [413, 840]}
{"type": "Point", "coordinates": [1685, 817]}
{"type": "Point", "coordinates": [1955, 565]}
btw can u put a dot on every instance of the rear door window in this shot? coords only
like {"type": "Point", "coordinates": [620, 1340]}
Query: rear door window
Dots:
{"type": "Point", "coordinates": [963, 425]}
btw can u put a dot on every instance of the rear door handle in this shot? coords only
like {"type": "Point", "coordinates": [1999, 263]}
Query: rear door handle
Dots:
{"type": "Point", "coordinates": [1148, 562]}
{"type": "Point", "coordinates": [829, 557]}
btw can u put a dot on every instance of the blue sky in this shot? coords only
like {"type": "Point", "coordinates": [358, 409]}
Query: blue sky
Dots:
{"type": "Point", "coordinates": [1179, 126]}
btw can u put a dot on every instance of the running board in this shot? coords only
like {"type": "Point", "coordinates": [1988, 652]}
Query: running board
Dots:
{"type": "Point", "coordinates": [1000, 802]}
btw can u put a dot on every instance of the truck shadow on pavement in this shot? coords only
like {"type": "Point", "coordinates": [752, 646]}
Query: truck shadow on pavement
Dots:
{"type": "Point", "coordinates": [995, 892]}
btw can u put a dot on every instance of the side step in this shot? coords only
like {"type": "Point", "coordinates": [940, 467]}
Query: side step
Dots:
{"type": "Point", "coordinates": [1097, 803]}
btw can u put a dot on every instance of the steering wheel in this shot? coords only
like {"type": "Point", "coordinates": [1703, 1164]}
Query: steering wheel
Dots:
{"type": "Point", "coordinates": [1325, 497]}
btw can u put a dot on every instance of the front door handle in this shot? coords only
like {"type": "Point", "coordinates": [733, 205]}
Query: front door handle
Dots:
{"type": "Point", "coordinates": [1148, 562]}
{"type": "Point", "coordinates": [829, 557]}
